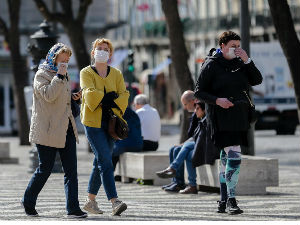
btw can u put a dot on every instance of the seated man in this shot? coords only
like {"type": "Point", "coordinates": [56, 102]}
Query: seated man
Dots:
{"type": "Point", "coordinates": [186, 153]}
{"type": "Point", "coordinates": [134, 141]}
{"type": "Point", "coordinates": [150, 122]}
{"type": "Point", "coordinates": [188, 101]}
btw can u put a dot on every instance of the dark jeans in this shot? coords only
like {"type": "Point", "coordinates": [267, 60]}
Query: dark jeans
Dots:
{"type": "Point", "coordinates": [46, 161]}
{"type": "Point", "coordinates": [179, 178]}
{"type": "Point", "coordinates": [150, 145]}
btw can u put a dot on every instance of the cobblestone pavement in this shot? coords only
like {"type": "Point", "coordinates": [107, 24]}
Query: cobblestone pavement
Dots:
{"type": "Point", "coordinates": [150, 202]}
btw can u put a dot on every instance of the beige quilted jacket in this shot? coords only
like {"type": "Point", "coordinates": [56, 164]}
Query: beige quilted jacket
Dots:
{"type": "Point", "coordinates": [51, 110]}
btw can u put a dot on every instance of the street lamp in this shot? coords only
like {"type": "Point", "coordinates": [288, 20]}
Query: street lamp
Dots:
{"type": "Point", "coordinates": [43, 40]}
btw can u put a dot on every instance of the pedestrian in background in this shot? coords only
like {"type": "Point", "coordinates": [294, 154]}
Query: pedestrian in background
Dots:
{"type": "Point", "coordinates": [103, 90]}
{"type": "Point", "coordinates": [222, 83]}
{"type": "Point", "coordinates": [53, 130]}
{"type": "Point", "coordinates": [150, 122]}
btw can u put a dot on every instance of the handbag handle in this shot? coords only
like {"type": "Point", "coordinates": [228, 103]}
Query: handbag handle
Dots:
{"type": "Point", "coordinates": [252, 105]}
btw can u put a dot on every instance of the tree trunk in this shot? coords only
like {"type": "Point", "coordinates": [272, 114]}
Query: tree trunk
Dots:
{"type": "Point", "coordinates": [289, 41]}
{"type": "Point", "coordinates": [179, 55]}
{"type": "Point", "coordinates": [20, 75]}
{"type": "Point", "coordinates": [75, 32]}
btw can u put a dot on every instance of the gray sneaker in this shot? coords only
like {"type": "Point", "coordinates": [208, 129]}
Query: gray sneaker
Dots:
{"type": "Point", "coordinates": [92, 207]}
{"type": "Point", "coordinates": [118, 207]}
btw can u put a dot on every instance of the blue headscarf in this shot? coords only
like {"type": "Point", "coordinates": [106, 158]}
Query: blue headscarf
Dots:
{"type": "Point", "coordinates": [49, 64]}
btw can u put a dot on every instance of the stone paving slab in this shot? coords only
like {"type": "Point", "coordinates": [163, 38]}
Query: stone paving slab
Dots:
{"type": "Point", "coordinates": [145, 203]}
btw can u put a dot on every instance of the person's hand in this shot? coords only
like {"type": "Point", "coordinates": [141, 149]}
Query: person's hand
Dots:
{"type": "Point", "coordinates": [224, 103]}
{"type": "Point", "coordinates": [76, 96]}
{"type": "Point", "coordinates": [62, 68]}
{"type": "Point", "coordinates": [110, 96]}
{"type": "Point", "coordinates": [239, 52]}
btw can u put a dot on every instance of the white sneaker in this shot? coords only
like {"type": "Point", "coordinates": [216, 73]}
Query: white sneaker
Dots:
{"type": "Point", "coordinates": [92, 207]}
{"type": "Point", "coordinates": [118, 207]}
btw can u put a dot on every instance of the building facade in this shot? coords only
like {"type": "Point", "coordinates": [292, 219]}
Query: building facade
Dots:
{"type": "Point", "coordinates": [203, 20]}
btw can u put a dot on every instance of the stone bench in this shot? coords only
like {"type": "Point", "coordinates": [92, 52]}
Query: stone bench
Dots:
{"type": "Point", "coordinates": [256, 174]}
{"type": "Point", "coordinates": [143, 165]}
{"type": "Point", "coordinates": [4, 154]}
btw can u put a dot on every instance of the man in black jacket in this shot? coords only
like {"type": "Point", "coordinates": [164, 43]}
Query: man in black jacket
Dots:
{"type": "Point", "coordinates": [223, 84]}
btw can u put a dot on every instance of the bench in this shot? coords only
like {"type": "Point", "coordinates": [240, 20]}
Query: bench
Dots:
{"type": "Point", "coordinates": [4, 154]}
{"type": "Point", "coordinates": [143, 165]}
{"type": "Point", "coordinates": [256, 173]}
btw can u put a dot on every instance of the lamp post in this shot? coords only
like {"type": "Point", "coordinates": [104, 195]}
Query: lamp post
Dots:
{"type": "Point", "coordinates": [43, 40]}
{"type": "Point", "coordinates": [245, 36]}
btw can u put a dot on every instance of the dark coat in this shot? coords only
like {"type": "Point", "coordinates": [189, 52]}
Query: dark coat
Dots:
{"type": "Point", "coordinates": [221, 78]}
{"type": "Point", "coordinates": [134, 139]}
{"type": "Point", "coordinates": [193, 125]}
{"type": "Point", "coordinates": [205, 151]}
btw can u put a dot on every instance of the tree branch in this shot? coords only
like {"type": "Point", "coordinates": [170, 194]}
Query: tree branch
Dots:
{"type": "Point", "coordinates": [53, 17]}
{"type": "Point", "coordinates": [84, 5]}
{"type": "Point", "coordinates": [67, 8]}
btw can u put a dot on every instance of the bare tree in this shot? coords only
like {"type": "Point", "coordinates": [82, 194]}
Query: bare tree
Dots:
{"type": "Point", "coordinates": [20, 73]}
{"type": "Point", "coordinates": [72, 25]}
{"type": "Point", "coordinates": [179, 54]}
{"type": "Point", "coordinates": [288, 39]}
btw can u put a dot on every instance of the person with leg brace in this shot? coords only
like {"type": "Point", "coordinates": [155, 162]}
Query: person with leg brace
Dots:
{"type": "Point", "coordinates": [224, 81]}
{"type": "Point", "coordinates": [230, 161]}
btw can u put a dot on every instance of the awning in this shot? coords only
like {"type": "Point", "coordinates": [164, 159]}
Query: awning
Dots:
{"type": "Point", "coordinates": [161, 66]}
{"type": "Point", "coordinates": [118, 57]}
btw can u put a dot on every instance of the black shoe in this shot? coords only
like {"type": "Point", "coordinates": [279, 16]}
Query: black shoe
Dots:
{"type": "Point", "coordinates": [30, 211]}
{"type": "Point", "coordinates": [221, 206]}
{"type": "Point", "coordinates": [175, 187]}
{"type": "Point", "coordinates": [117, 178]}
{"type": "Point", "coordinates": [167, 173]}
{"type": "Point", "coordinates": [167, 185]}
{"type": "Point", "coordinates": [77, 214]}
{"type": "Point", "coordinates": [232, 207]}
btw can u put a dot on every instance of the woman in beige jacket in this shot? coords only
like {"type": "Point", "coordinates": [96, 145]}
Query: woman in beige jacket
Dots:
{"type": "Point", "coordinates": [53, 130]}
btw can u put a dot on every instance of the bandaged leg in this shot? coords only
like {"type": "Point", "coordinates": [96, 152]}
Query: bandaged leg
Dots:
{"type": "Point", "coordinates": [232, 169]}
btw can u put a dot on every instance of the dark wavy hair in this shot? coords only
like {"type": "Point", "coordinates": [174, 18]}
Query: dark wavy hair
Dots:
{"type": "Point", "coordinates": [228, 36]}
{"type": "Point", "coordinates": [201, 105]}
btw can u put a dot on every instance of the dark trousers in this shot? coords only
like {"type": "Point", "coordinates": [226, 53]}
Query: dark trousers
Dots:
{"type": "Point", "coordinates": [46, 161]}
{"type": "Point", "coordinates": [150, 145]}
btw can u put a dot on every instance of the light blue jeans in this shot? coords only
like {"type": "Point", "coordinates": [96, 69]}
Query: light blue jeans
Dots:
{"type": "Point", "coordinates": [186, 153]}
{"type": "Point", "coordinates": [179, 178]}
{"type": "Point", "coordinates": [103, 170]}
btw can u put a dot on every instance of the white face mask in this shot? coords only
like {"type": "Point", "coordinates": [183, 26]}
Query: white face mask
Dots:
{"type": "Point", "coordinates": [101, 56]}
{"type": "Point", "coordinates": [231, 53]}
{"type": "Point", "coordinates": [63, 65]}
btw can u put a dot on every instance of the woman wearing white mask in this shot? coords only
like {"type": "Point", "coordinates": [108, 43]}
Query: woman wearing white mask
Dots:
{"type": "Point", "coordinates": [224, 83]}
{"type": "Point", "coordinates": [103, 89]}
